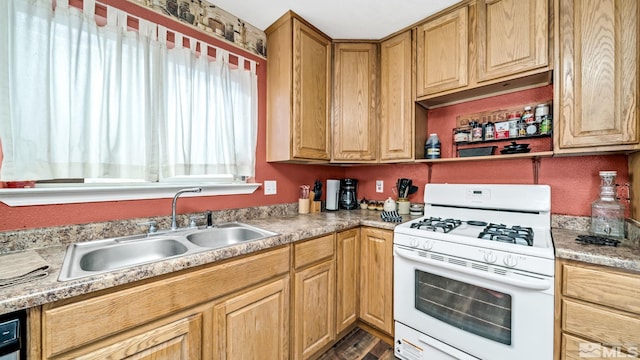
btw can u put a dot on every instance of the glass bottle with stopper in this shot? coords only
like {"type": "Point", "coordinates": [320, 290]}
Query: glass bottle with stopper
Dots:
{"type": "Point", "coordinates": [607, 213]}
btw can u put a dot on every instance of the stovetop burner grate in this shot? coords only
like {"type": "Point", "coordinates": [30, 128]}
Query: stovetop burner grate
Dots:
{"type": "Point", "coordinates": [436, 224]}
{"type": "Point", "coordinates": [521, 235]}
{"type": "Point", "coordinates": [515, 234]}
{"type": "Point", "coordinates": [596, 240]}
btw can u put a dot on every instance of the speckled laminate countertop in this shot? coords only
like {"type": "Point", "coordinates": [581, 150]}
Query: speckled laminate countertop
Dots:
{"type": "Point", "coordinates": [291, 228]}
{"type": "Point", "coordinates": [625, 256]}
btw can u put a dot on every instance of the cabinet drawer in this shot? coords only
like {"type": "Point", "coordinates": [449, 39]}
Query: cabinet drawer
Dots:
{"type": "Point", "coordinates": [604, 287]}
{"type": "Point", "coordinates": [314, 250]}
{"type": "Point", "coordinates": [599, 324]}
{"type": "Point", "coordinates": [574, 348]}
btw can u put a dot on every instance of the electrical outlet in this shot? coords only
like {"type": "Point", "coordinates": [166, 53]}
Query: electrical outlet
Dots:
{"type": "Point", "coordinates": [379, 186]}
{"type": "Point", "coordinates": [270, 187]}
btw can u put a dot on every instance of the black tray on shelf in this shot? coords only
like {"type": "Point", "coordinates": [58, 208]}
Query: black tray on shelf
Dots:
{"type": "Point", "coordinates": [514, 151]}
{"type": "Point", "coordinates": [477, 151]}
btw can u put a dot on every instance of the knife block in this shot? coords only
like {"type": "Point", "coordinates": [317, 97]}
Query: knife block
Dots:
{"type": "Point", "coordinates": [315, 206]}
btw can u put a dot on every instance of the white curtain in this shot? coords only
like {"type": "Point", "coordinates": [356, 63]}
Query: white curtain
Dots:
{"type": "Point", "coordinates": [210, 124]}
{"type": "Point", "coordinates": [83, 101]}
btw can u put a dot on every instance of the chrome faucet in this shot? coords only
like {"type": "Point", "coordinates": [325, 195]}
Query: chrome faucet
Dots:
{"type": "Point", "coordinates": [174, 226]}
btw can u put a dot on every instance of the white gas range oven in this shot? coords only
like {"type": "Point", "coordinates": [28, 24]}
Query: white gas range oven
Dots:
{"type": "Point", "coordinates": [474, 277]}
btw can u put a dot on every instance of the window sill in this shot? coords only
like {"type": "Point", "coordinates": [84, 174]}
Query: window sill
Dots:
{"type": "Point", "coordinates": [100, 193]}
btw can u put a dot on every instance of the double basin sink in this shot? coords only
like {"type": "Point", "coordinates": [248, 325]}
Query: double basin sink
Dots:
{"type": "Point", "coordinates": [99, 256]}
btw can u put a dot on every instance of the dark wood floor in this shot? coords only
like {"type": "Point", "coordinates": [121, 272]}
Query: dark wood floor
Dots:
{"type": "Point", "coordinates": [359, 345]}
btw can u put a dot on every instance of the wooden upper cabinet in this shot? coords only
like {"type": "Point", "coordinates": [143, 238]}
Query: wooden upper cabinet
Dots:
{"type": "Point", "coordinates": [355, 87]}
{"type": "Point", "coordinates": [512, 36]}
{"type": "Point", "coordinates": [442, 53]}
{"type": "Point", "coordinates": [478, 48]}
{"type": "Point", "coordinates": [298, 91]}
{"type": "Point", "coordinates": [396, 99]}
{"type": "Point", "coordinates": [596, 92]}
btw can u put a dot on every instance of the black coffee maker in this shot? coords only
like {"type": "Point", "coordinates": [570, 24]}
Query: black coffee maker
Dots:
{"type": "Point", "coordinates": [348, 198]}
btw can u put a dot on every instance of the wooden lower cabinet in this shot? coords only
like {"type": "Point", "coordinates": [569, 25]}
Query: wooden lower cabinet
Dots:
{"type": "Point", "coordinates": [253, 324]}
{"type": "Point", "coordinates": [376, 278]}
{"type": "Point", "coordinates": [599, 312]}
{"type": "Point", "coordinates": [285, 303]}
{"type": "Point", "coordinates": [159, 317]}
{"type": "Point", "coordinates": [175, 340]}
{"type": "Point", "coordinates": [347, 276]}
{"type": "Point", "coordinates": [313, 307]}
{"type": "Point", "coordinates": [314, 310]}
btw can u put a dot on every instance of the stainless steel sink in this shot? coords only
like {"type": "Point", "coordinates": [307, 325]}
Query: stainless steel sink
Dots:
{"type": "Point", "coordinates": [132, 253]}
{"type": "Point", "coordinates": [227, 234]}
{"type": "Point", "coordinates": [100, 256]}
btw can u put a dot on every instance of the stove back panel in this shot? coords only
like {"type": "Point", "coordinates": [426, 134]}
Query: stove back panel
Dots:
{"type": "Point", "coordinates": [525, 198]}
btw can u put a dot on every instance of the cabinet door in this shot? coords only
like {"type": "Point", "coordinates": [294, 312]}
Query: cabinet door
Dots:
{"type": "Point", "coordinates": [314, 309]}
{"type": "Point", "coordinates": [513, 37]}
{"type": "Point", "coordinates": [442, 54]}
{"type": "Point", "coordinates": [597, 76]}
{"type": "Point", "coordinates": [178, 340]}
{"type": "Point", "coordinates": [376, 278]}
{"type": "Point", "coordinates": [254, 324]}
{"type": "Point", "coordinates": [396, 99]}
{"type": "Point", "coordinates": [347, 269]}
{"type": "Point", "coordinates": [354, 102]}
{"type": "Point", "coordinates": [311, 92]}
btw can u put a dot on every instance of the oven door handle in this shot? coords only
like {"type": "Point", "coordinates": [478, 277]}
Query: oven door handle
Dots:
{"type": "Point", "coordinates": [533, 283]}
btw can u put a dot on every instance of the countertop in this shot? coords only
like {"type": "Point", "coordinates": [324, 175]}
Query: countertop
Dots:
{"type": "Point", "coordinates": [291, 229]}
{"type": "Point", "coordinates": [624, 256]}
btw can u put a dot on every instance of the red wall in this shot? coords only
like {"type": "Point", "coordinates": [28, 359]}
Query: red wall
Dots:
{"type": "Point", "coordinates": [574, 180]}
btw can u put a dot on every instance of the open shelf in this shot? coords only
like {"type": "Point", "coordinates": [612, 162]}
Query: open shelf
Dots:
{"type": "Point", "coordinates": [531, 155]}
{"type": "Point", "coordinates": [510, 140]}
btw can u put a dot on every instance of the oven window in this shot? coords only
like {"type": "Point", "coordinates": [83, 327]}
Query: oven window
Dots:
{"type": "Point", "coordinates": [480, 311]}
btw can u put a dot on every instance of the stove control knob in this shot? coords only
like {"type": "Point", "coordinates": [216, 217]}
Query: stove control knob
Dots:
{"type": "Point", "coordinates": [427, 245]}
{"type": "Point", "coordinates": [414, 242]}
{"type": "Point", "coordinates": [510, 261]}
{"type": "Point", "coordinates": [490, 257]}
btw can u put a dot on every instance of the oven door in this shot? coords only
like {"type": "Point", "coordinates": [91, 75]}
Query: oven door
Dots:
{"type": "Point", "coordinates": [471, 307]}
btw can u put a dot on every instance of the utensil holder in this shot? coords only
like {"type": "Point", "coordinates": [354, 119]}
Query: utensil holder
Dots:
{"type": "Point", "coordinates": [403, 206]}
{"type": "Point", "coordinates": [303, 206]}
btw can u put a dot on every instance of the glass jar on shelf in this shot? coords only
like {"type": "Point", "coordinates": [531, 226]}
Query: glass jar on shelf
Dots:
{"type": "Point", "coordinates": [513, 120]}
{"type": "Point", "coordinates": [461, 135]}
{"type": "Point", "coordinates": [476, 131]}
{"type": "Point", "coordinates": [489, 131]}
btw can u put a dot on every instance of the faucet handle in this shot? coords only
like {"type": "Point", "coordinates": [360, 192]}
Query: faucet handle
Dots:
{"type": "Point", "coordinates": [192, 220]}
{"type": "Point", "coordinates": [152, 226]}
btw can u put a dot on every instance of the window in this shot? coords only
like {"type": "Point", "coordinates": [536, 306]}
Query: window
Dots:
{"type": "Point", "coordinates": [80, 101]}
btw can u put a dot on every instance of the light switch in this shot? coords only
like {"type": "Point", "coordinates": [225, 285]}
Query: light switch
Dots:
{"type": "Point", "coordinates": [270, 187]}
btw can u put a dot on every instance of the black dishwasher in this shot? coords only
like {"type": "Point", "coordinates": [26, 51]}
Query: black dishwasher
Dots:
{"type": "Point", "coordinates": [13, 336]}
